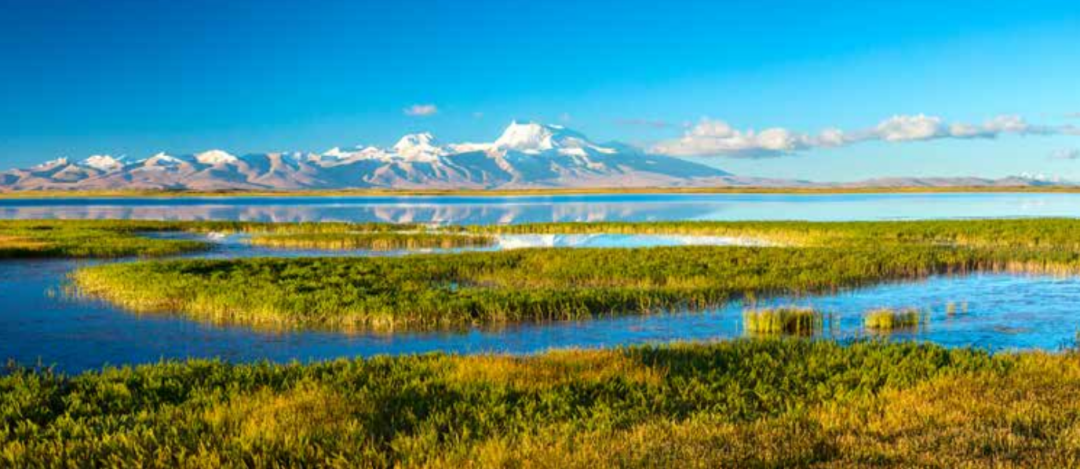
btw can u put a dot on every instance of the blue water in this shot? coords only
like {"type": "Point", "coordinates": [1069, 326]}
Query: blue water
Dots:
{"type": "Point", "coordinates": [39, 324]}
{"type": "Point", "coordinates": [996, 312]}
{"type": "Point", "coordinates": [600, 207]}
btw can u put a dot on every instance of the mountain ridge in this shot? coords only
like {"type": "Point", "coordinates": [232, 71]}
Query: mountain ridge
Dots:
{"type": "Point", "coordinates": [525, 156]}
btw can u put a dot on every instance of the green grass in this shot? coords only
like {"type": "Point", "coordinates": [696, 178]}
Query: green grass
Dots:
{"type": "Point", "coordinates": [87, 239]}
{"type": "Point", "coordinates": [1043, 233]}
{"type": "Point", "coordinates": [760, 403]}
{"type": "Point", "coordinates": [887, 319]}
{"type": "Point", "coordinates": [453, 290]}
{"type": "Point", "coordinates": [782, 320]}
{"type": "Point", "coordinates": [124, 238]}
{"type": "Point", "coordinates": [386, 241]}
{"type": "Point", "coordinates": [449, 290]}
{"type": "Point", "coordinates": [117, 238]}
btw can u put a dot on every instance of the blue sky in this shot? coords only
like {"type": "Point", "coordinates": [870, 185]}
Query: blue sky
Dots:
{"type": "Point", "coordinates": [136, 77]}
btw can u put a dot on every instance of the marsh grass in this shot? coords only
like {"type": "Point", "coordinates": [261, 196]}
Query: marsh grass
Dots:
{"type": "Point", "coordinates": [130, 238]}
{"type": "Point", "coordinates": [86, 239]}
{"type": "Point", "coordinates": [450, 290]}
{"type": "Point", "coordinates": [889, 319]}
{"type": "Point", "coordinates": [783, 320]}
{"type": "Point", "coordinates": [471, 288]}
{"type": "Point", "coordinates": [375, 241]}
{"type": "Point", "coordinates": [548, 284]}
{"type": "Point", "coordinates": [745, 403]}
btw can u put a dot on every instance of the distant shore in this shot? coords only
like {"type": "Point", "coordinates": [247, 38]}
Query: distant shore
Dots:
{"type": "Point", "coordinates": [56, 194]}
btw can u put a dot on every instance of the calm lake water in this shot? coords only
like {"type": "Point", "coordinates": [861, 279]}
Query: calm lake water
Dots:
{"type": "Point", "coordinates": [996, 312]}
{"type": "Point", "coordinates": [603, 207]}
{"type": "Point", "coordinates": [992, 311]}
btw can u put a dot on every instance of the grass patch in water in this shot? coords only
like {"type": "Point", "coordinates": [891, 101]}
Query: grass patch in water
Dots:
{"type": "Point", "coordinates": [123, 238]}
{"type": "Point", "coordinates": [87, 239]}
{"type": "Point", "coordinates": [783, 320]}
{"type": "Point", "coordinates": [386, 241]}
{"type": "Point", "coordinates": [495, 287]}
{"type": "Point", "coordinates": [562, 284]}
{"type": "Point", "coordinates": [888, 319]}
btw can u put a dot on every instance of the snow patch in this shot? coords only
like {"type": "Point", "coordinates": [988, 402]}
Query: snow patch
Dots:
{"type": "Point", "coordinates": [215, 157]}
{"type": "Point", "coordinates": [103, 162]}
{"type": "Point", "coordinates": [418, 147]}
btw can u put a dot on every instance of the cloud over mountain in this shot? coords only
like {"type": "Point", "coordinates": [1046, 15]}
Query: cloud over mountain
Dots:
{"type": "Point", "coordinates": [718, 138]}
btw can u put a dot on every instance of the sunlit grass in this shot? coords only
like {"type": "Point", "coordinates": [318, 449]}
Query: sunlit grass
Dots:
{"type": "Point", "coordinates": [454, 290]}
{"type": "Point", "coordinates": [783, 320]}
{"type": "Point", "coordinates": [887, 319]}
{"type": "Point", "coordinates": [745, 403]}
{"type": "Point", "coordinates": [124, 238]}
{"type": "Point", "coordinates": [387, 241]}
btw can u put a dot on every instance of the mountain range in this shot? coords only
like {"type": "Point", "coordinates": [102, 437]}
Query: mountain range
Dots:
{"type": "Point", "coordinates": [526, 155]}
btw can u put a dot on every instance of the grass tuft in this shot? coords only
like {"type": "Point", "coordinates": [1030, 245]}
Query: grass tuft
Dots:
{"type": "Point", "coordinates": [783, 320]}
{"type": "Point", "coordinates": [888, 319]}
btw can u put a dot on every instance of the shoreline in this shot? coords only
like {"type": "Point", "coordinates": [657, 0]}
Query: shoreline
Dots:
{"type": "Point", "coordinates": [165, 194]}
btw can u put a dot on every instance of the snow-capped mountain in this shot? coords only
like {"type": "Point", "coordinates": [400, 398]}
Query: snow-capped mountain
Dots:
{"type": "Point", "coordinates": [525, 155]}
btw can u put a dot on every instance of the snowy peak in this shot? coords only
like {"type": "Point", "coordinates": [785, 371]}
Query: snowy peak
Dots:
{"type": "Point", "coordinates": [163, 159]}
{"type": "Point", "coordinates": [418, 147]}
{"type": "Point", "coordinates": [533, 138]}
{"type": "Point", "coordinates": [336, 153]}
{"type": "Point", "coordinates": [103, 163]}
{"type": "Point", "coordinates": [51, 164]}
{"type": "Point", "coordinates": [215, 157]}
{"type": "Point", "coordinates": [527, 138]}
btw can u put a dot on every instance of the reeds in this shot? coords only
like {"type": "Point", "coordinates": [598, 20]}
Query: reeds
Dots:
{"type": "Point", "coordinates": [888, 319]}
{"type": "Point", "coordinates": [384, 241]}
{"type": "Point", "coordinates": [782, 320]}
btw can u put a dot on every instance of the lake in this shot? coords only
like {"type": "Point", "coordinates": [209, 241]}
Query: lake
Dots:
{"type": "Point", "coordinates": [998, 312]}
{"type": "Point", "coordinates": [557, 208]}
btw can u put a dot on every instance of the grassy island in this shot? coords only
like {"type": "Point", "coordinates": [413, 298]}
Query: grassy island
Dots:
{"type": "Point", "coordinates": [449, 290]}
{"type": "Point", "coordinates": [88, 239]}
{"type": "Point", "coordinates": [133, 238]}
{"type": "Point", "coordinates": [385, 241]}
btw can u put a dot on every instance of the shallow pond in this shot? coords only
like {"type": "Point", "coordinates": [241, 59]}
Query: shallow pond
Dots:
{"type": "Point", "coordinates": [523, 209]}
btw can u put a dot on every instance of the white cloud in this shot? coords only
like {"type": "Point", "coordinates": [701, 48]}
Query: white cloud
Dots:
{"type": "Point", "coordinates": [717, 138]}
{"type": "Point", "coordinates": [421, 110]}
{"type": "Point", "coordinates": [909, 128]}
{"type": "Point", "coordinates": [636, 122]}
{"type": "Point", "coordinates": [1073, 154]}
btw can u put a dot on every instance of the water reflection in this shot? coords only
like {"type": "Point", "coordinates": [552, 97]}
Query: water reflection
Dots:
{"type": "Point", "coordinates": [563, 208]}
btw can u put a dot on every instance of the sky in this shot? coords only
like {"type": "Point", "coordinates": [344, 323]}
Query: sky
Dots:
{"type": "Point", "coordinates": [823, 90]}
